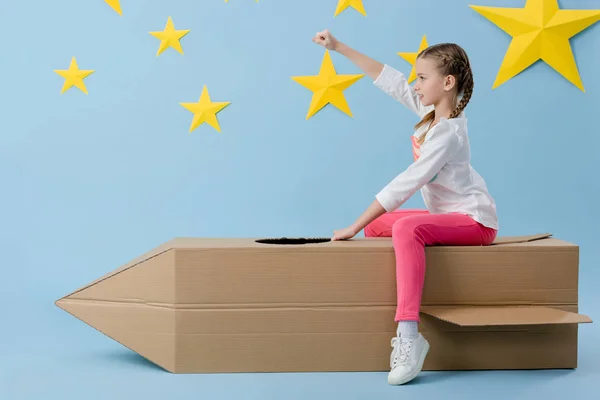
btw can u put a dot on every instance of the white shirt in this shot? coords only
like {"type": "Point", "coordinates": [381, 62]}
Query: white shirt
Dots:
{"type": "Point", "coordinates": [442, 169]}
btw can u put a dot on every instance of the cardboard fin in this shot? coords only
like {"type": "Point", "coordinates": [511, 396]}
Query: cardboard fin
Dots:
{"type": "Point", "coordinates": [503, 315]}
{"type": "Point", "coordinates": [520, 239]}
{"type": "Point", "coordinates": [148, 331]}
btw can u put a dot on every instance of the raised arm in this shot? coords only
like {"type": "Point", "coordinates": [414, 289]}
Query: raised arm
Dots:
{"type": "Point", "coordinates": [389, 80]}
{"type": "Point", "coordinates": [369, 66]}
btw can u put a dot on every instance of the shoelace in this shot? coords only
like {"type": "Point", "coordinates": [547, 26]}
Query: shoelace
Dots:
{"type": "Point", "coordinates": [400, 346]}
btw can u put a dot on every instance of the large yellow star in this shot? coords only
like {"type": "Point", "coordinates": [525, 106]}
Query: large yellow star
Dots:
{"type": "Point", "coordinates": [205, 111]}
{"type": "Point", "coordinates": [411, 58]}
{"type": "Point", "coordinates": [115, 5]}
{"type": "Point", "coordinates": [540, 30]}
{"type": "Point", "coordinates": [170, 37]}
{"type": "Point", "coordinates": [327, 87]}
{"type": "Point", "coordinates": [356, 4]}
{"type": "Point", "coordinates": [74, 77]}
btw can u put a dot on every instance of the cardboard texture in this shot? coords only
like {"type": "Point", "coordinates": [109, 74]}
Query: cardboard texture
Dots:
{"type": "Point", "coordinates": [237, 305]}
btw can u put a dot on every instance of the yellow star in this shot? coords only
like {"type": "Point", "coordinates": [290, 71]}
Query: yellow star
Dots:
{"type": "Point", "coordinates": [540, 30]}
{"type": "Point", "coordinates": [74, 77]}
{"type": "Point", "coordinates": [115, 5]}
{"type": "Point", "coordinates": [411, 58]}
{"type": "Point", "coordinates": [356, 4]}
{"type": "Point", "coordinates": [205, 111]}
{"type": "Point", "coordinates": [327, 87]}
{"type": "Point", "coordinates": [169, 37]}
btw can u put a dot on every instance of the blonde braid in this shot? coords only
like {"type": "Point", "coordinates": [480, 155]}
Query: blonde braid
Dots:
{"type": "Point", "coordinates": [467, 85]}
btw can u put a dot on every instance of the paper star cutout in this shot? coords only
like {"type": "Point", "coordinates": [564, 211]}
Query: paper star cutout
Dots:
{"type": "Point", "coordinates": [170, 37]}
{"type": "Point", "coordinates": [74, 77]}
{"type": "Point", "coordinates": [540, 30]}
{"type": "Point", "coordinates": [411, 58]}
{"type": "Point", "coordinates": [356, 4]}
{"type": "Point", "coordinates": [327, 87]}
{"type": "Point", "coordinates": [205, 110]}
{"type": "Point", "coordinates": [115, 5]}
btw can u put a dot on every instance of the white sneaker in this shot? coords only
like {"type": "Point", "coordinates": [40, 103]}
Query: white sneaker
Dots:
{"type": "Point", "coordinates": [407, 359]}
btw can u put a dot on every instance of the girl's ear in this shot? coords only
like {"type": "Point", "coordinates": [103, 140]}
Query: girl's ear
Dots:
{"type": "Point", "coordinates": [449, 82]}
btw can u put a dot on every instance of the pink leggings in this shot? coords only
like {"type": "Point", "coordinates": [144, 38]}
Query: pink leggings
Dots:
{"type": "Point", "coordinates": [411, 231]}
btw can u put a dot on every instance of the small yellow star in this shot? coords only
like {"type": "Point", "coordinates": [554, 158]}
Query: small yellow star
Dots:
{"type": "Point", "coordinates": [540, 31]}
{"type": "Point", "coordinates": [356, 4]}
{"type": "Point", "coordinates": [74, 77]}
{"type": "Point", "coordinates": [327, 87]}
{"type": "Point", "coordinates": [205, 110]}
{"type": "Point", "coordinates": [170, 37]}
{"type": "Point", "coordinates": [411, 58]}
{"type": "Point", "coordinates": [115, 5]}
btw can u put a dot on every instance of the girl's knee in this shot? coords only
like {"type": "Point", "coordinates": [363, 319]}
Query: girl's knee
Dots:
{"type": "Point", "coordinates": [404, 228]}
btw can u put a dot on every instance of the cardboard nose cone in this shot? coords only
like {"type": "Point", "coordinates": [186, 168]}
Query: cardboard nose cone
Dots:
{"type": "Point", "coordinates": [133, 306]}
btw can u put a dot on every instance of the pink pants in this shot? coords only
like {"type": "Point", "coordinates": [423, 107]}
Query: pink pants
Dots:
{"type": "Point", "coordinates": [411, 231]}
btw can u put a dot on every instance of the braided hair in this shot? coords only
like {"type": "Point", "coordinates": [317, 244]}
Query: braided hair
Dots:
{"type": "Point", "coordinates": [451, 59]}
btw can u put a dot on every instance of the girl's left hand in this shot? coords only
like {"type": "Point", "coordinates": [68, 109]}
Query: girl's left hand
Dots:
{"type": "Point", "coordinates": [346, 233]}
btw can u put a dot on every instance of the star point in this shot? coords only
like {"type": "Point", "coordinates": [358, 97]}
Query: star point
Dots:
{"type": "Point", "coordinates": [344, 4]}
{"type": "Point", "coordinates": [115, 5]}
{"type": "Point", "coordinates": [540, 31]}
{"type": "Point", "coordinates": [327, 87]}
{"type": "Point", "coordinates": [170, 37]}
{"type": "Point", "coordinates": [411, 58]}
{"type": "Point", "coordinates": [74, 77]}
{"type": "Point", "coordinates": [205, 110]}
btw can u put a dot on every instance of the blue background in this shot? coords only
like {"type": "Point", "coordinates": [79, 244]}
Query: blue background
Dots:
{"type": "Point", "coordinates": [90, 182]}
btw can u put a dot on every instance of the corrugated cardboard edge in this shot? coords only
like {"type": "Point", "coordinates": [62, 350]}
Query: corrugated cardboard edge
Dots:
{"type": "Point", "coordinates": [503, 315]}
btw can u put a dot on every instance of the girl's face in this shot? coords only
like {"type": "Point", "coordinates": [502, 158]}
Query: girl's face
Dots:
{"type": "Point", "coordinates": [430, 85]}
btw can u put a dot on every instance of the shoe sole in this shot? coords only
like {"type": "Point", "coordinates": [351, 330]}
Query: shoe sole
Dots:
{"type": "Point", "coordinates": [416, 371]}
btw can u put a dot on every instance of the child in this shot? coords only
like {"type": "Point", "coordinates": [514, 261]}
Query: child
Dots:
{"type": "Point", "coordinates": [460, 211]}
